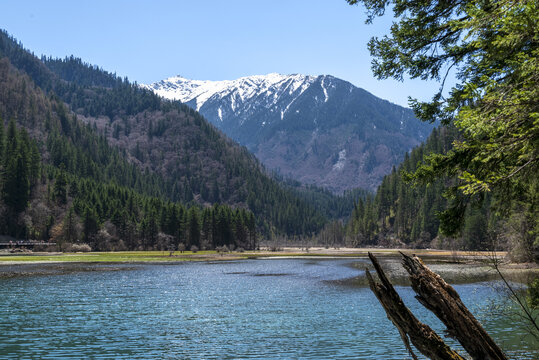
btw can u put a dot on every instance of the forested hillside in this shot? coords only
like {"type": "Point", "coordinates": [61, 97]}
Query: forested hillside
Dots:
{"type": "Point", "coordinates": [334, 207]}
{"type": "Point", "coordinates": [103, 129]}
{"type": "Point", "coordinates": [60, 181]}
{"type": "Point", "coordinates": [401, 214]}
{"type": "Point", "coordinates": [43, 202]}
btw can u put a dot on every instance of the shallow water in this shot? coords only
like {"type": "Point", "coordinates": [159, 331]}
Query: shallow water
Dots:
{"type": "Point", "coordinates": [264, 309]}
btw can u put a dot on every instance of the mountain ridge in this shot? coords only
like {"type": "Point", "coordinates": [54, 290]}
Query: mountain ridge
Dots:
{"type": "Point", "coordinates": [316, 129]}
{"type": "Point", "coordinates": [189, 90]}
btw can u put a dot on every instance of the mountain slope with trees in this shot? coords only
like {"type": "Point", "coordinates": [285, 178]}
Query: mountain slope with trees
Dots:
{"type": "Point", "coordinates": [103, 128]}
{"type": "Point", "coordinates": [41, 202]}
{"type": "Point", "coordinates": [61, 181]}
{"type": "Point", "coordinates": [409, 215]}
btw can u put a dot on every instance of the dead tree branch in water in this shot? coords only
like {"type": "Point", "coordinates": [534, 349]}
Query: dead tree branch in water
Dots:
{"type": "Point", "coordinates": [440, 298]}
{"type": "Point", "coordinates": [421, 335]}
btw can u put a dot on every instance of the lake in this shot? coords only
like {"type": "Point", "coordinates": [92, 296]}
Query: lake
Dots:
{"type": "Point", "coordinates": [249, 309]}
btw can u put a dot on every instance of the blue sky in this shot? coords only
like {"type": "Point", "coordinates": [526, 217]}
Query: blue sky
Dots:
{"type": "Point", "coordinates": [210, 40]}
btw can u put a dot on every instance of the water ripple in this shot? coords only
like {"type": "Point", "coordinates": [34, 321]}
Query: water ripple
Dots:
{"type": "Point", "coordinates": [253, 309]}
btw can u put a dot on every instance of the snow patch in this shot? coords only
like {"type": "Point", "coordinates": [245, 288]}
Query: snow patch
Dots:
{"type": "Point", "coordinates": [238, 91]}
{"type": "Point", "coordinates": [339, 165]}
{"type": "Point", "coordinates": [220, 114]}
{"type": "Point", "coordinates": [325, 90]}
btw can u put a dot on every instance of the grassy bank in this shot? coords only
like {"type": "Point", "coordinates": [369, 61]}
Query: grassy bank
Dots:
{"type": "Point", "coordinates": [108, 257]}
{"type": "Point", "coordinates": [165, 256]}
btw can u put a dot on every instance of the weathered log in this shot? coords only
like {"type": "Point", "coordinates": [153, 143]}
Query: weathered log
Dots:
{"type": "Point", "coordinates": [440, 298]}
{"type": "Point", "coordinates": [421, 335]}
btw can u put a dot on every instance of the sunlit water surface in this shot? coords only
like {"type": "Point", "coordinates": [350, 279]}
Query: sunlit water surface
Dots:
{"type": "Point", "coordinates": [263, 309]}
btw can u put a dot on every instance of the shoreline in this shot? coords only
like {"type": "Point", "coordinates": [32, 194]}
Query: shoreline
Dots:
{"type": "Point", "coordinates": [454, 266]}
{"type": "Point", "coordinates": [129, 257]}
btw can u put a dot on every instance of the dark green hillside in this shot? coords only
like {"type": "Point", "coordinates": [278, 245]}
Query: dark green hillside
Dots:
{"type": "Point", "coordinates": [405, 215]}
{"type": "Point", "coordinates": [335, 207]}
{"type": "Point", "coordinates": [42, 202]}
{"type": "Point", "coordinates": [64, 139]}
{"type": "Point", "coordinates": [61, 181]}
{"type": "Point", "coordinates": [72, 69]}
{"type": "Point", "coordinates": [107, 129]}
{"type": "Point", "coordinates": [400, 212]}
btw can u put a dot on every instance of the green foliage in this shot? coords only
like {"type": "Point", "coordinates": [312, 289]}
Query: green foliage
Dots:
{"type": "Point", "coordinates": [73, 69]}
{"type": "Point", "coordinates": [2, 144]}
{"type": "Point", "coordinates": [60, 186]}
{"type": "Point", "coordinates": [18, 173]}
{"type": "Point", "coordinates": [17, 185]}
{"type": "Point", "coordinates": [103, 213]}
{"type": "Point", "coordinates": [414, 215]}
{"type": "Point", "coordinates": [194, 228]}
{"type": "Point", "coordinates": [331, 205]}
{"type": "Point", "coordinates": [533, 294]}
{"type": "Point", "coordinates": [493, 48]}
{"type": "Point", "coordinates": [520, 225]}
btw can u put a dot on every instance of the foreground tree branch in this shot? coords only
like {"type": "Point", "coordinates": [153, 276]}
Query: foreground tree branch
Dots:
{"type": "Point", "coordinates": [421, 335]}
{"type": "Point", "coordinates": [492, 48]}
{"type": "Point", "coordinates": [440, 298]}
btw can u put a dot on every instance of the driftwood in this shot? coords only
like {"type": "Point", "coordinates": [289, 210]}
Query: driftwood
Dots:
{"type": "Point", "coordinates": [439, 297]}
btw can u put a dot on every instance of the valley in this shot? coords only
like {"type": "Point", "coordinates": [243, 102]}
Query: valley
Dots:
{"type": "Point", "coordinates": [350, 174]}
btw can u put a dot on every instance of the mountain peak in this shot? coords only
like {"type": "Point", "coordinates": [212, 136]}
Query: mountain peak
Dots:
{"type": "Point", "coordinates": [244, 88]}
{"type": "Point", "coordinates": [315, 129]}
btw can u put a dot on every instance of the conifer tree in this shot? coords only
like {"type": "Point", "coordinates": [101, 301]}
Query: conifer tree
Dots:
{"type": "Point", "coordinates": [17, 184]}
{"type": "Point", "coordinates": [16, 187]}
{"type": "Point", "coordinates": [493, 47]}
{"type": "Point", "coordinates": [11, 142]}
{"type": "Point", "coordinates": [60, 187]}
{"type": "Point", "coordinates": [90, 223]}
{"type": "Point", "coordinates": [194, 227]}
{"type": "Point", "coordinates": [2, 143]}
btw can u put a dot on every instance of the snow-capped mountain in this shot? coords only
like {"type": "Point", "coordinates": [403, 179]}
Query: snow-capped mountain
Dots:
{"type": "Point", "coordinates": [316, 129]}
{"type": "Point", "coordinates": [241, 90]}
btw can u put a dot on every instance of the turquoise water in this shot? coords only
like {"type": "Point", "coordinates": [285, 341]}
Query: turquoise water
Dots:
{"type": "Point", "coordinates": [251, 309]}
